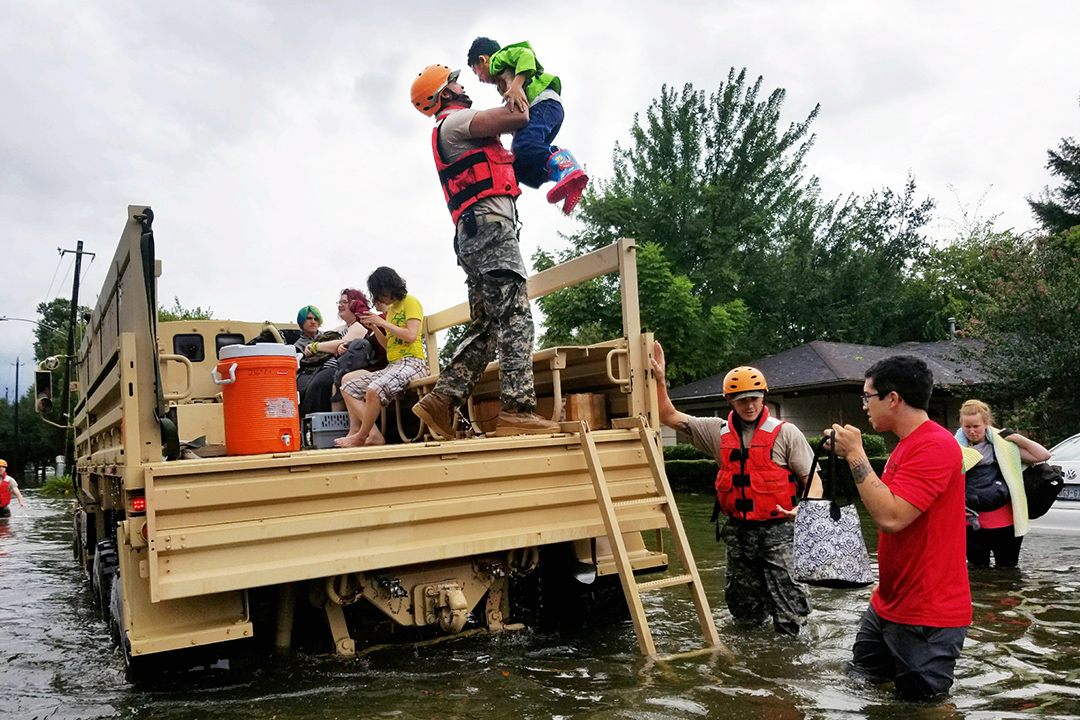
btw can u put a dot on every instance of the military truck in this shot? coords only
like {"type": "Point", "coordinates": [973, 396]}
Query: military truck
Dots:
{"type": "Point", "coordinates": [187, 547]}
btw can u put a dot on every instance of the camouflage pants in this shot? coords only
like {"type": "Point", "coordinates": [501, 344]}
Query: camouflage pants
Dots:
{"type": "Point", "coordinates": [760, 580]}
{"type": "Point", "coordinates": [501, 323]}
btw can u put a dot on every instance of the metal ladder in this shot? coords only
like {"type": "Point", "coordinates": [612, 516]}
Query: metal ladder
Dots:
{"type": "Point", "coordinates": [609, 511]}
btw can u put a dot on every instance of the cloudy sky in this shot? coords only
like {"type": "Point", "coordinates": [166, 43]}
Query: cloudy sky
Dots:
{"type": "Point", "coordinates": [277, 146]}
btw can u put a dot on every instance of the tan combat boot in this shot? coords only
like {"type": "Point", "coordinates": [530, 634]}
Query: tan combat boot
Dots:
{"type": "Point", "coordinates": [523, 423]}
{"type": "Point", "coordinates": [437, 410]}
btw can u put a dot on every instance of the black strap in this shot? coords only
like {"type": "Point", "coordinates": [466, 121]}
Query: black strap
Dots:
{"type": "Point", "coordinates": [461, 165]}
{"type": "Point", "coordinates": [826, 486]}
{"type": "Point", "coordinates": [170, 437]}
{"type": "Point", "coordinates": [458, 199]}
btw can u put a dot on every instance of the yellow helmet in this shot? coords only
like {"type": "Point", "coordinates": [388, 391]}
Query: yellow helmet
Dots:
{"type": "Point", "coordinates": [427, 86]}
{"type": "Point", "coordinates": [744, 380]}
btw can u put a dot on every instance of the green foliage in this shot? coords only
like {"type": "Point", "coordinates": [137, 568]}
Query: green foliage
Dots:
{"type": "Point", "coordinates": [51, 333]}
{"type": "Point", "coordinates": [692, 475]}
{"type": "Point", "coordinates": [873, 445]}
{"type": "Point", "coordinates": [33, 441]}
{"type": "Point", "coordinates": [1024, 303]}
{"type": "Point", "coordinates": [592, 312]}
{"type": "Point", "coordinates": [179, 312]}
{"type": "Point", "coordinates": [1058, 210]}
{"type": "Point", "coordinates": [739, 256]}
{"type": "Point", "coordinates": [450, 343]}
{"type": "Point", "coordinates": [56, 486]}
{"type": "Point", "coordinates": [684, 451]}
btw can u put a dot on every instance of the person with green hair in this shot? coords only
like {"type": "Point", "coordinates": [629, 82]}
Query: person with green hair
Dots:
{"type": "Point", "coordinates": [308, 319]}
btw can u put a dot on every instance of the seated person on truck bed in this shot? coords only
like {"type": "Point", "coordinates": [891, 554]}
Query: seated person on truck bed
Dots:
{"type": "Point", "coordinates": [308, 319]}
{"type": "Point", "coordinates": [320, 389]}
{"type": "Point", "coordinates": [366, 392]}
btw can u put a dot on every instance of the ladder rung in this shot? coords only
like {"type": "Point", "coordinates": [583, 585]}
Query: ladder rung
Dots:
{"type": "Point", "coordinates": [656, 500]}
{"type": "Point", "coordinates": [665, 582]}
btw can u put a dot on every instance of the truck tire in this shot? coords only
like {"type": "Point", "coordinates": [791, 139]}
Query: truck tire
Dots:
{"type": "Point", "coordinates": [76, 537]}
{"type": "Point", "coordinates": [135, 669]}
{"type": "Point", "coordinates": [106, 564]}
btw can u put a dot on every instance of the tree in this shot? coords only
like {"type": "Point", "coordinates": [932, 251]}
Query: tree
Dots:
{"type": "Point", "coordinates": [1058, 210]}
{"type": "Point", "coordinates": [709, 179]}
{"type": "Point", "coordinates": [702, 337]}
{"type": "Point", "coordinates": [179, 312]}
{"type": "Point", "coordinates": [51, 332]}
{"type": "Point", "coordinates": [716, 185]}
{"type": "Point", "coordinates": [1020, 294]}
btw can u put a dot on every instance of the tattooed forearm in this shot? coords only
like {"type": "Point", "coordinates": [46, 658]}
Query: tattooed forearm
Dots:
{"type": "Point", "coordinates": [861, 471]}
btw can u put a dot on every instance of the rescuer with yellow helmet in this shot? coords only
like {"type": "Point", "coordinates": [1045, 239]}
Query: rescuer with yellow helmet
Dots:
{"type": "Point", "coordinates": [480, 189]}
{"type": "Point", "coordinates": [763, 462]}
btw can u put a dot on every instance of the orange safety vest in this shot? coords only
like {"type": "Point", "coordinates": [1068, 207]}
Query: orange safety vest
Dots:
{"type": "Point", "coordinates": [750, 485]}
{"type": "Point", "coordinates": [486, 171]}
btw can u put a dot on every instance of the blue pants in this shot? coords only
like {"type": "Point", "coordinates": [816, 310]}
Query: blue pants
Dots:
{"type": "Point", "coordinates": [920, 659]}
{"type": "Point", "coordinates": [532, 143]}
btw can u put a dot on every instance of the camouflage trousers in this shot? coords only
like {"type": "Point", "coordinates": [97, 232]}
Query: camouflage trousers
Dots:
{"type": "Point", "coordinates": [501, 324]}
{"type": "Point", "coordinates": [760, 580]}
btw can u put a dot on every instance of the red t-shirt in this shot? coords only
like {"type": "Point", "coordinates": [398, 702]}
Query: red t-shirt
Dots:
{"type": "Point", "coordinates": [923, 568]}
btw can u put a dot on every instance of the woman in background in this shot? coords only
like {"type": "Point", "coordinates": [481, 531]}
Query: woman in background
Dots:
{"type": "Point", "coordinates": [994, 486]}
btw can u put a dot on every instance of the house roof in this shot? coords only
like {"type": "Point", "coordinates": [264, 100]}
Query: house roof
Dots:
{"type": "Point", "coordinates": [822, 364]}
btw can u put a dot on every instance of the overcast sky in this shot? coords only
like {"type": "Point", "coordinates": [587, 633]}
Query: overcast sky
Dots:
{"type": "Point", "coordinates": [276, 143]}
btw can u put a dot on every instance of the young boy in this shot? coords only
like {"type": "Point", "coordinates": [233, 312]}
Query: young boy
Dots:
{"type": "Point", "coordinates": [521, 80]}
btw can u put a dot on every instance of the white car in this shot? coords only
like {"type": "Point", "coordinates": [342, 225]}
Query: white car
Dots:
{"type": "Point", "coordinates": [1064, 515]}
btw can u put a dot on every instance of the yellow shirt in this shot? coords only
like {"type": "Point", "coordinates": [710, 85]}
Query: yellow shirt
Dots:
{"type": "Point", "coordinates": [400, 313]}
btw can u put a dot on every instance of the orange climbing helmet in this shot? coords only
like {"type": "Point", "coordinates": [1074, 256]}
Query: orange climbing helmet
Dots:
{"type": "Point", "coordinates": [745, 381]}
{"type": "Point", "coordinates": [3, 463]}
{"type": "Point", "coordinates": [427, 86]}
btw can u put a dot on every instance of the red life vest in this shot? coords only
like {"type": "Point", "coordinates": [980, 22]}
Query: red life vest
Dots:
{"type": "Point", "coordinates": [486, 171]}
{"type": "Point", "coordinates": [5, 492]}
{"type": "Point", "coordinates": [750, 485]}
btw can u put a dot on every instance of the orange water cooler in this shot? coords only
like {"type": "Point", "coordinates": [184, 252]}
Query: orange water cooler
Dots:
{"type": "Point", "coordinates": [258, 386]}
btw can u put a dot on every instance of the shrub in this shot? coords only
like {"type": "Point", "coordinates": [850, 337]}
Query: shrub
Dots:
{"type": "Point", "coordinates": [874, 445]}
{"type": "Point", "coordinates": [57, 487]}
{"type": "Point", "coordinates": [696, 476]}
{"type": "Point", "coordinates": [684, 451]}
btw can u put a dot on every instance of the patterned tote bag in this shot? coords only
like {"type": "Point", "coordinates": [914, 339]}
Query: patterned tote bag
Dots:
{"type": "Point", "coordinates": [829, 546]}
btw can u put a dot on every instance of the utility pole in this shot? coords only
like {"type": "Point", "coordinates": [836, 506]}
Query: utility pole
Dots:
{"type": "Point", "coordinates": [18, 447]}
{"type": "Point", "coordinates": [69, 435]}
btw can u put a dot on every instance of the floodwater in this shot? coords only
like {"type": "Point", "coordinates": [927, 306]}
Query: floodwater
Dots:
{"type": "Point", "coordinates": [1022, 657]}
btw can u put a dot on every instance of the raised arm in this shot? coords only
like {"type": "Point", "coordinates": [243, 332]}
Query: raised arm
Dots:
{"type": "Point", "coordinates": [498, 121]}
{"type": "Point", "coordinates": [668, 414]}
{"type": "Point", "coordinates": [1031, 452]}
{"type": "Point", "coordinates": [892, 513]}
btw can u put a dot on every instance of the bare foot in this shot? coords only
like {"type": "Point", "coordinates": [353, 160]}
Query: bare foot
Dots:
{"type": "Point", "coordinates": [349, 441]}
{"type": "Point", "coordinates": [376, 437]}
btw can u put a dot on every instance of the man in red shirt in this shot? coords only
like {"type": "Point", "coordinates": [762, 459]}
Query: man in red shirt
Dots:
{"type": "Point", "coordinates": [915, 627]}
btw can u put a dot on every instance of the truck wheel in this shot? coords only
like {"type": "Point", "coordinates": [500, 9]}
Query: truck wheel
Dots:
{"type": "Point", "coordinates": [135, 669]}
{"type": "Point", "coordinates": [76, 537]}
{"type": "Point", "coordinates": [106, 564]}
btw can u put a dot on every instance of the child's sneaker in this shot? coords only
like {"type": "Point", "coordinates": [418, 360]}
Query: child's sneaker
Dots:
{"type": "Point", "coordinates": [569, 178]}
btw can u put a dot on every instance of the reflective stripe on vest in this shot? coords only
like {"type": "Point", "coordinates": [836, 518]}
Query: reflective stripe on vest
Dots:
{"type": "Point", "coordinates": [483, 172]}
{"type": "Point", "coordinates": [749, 484]}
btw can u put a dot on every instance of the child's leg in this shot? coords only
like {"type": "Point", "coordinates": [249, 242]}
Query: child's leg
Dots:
{"type": "Point", "coordinates": [532, 144]}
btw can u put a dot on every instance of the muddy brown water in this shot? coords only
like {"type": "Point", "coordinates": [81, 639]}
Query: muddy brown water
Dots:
{"type": "Point", "coordinates": [1021, 660]}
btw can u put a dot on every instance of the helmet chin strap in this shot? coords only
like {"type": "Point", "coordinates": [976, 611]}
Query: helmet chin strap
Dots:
{"type": "Point", "coordinates": [457, 99]}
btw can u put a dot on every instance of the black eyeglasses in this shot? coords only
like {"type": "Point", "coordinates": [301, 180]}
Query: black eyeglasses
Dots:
{"type": "Point", "coordinates": [867, 396]}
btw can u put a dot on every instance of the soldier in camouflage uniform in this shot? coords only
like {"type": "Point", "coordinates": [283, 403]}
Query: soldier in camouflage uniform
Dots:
{"type": "Point", "coordinates": [763, 463]}
{"type": "Point", "coordinates": [480, 188]}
